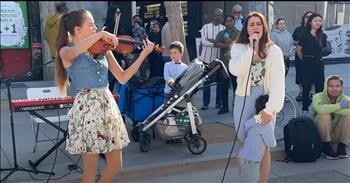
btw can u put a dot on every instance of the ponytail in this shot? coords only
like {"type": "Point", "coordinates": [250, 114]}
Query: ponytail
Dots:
{"type": "Point", "coordinates": [61, 76]}
{"type": "Point", "coordinates": [67, 23]}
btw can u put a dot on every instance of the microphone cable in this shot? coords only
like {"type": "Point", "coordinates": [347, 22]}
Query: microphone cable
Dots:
{"type": "Point", "coordinates": [240, 118]}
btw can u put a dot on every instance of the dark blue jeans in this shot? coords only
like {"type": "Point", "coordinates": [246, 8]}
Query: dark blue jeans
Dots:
{"type": "Point", "coordinates": [224, 87]}
{"type": "Point", "coordinates": [206, 95]}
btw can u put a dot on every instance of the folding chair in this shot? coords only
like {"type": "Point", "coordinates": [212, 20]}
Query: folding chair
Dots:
{"type": "Point", "coordinates": [40, 93]}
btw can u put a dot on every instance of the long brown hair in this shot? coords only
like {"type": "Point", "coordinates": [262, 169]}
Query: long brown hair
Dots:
{"type": "Point", "coordinates": [303, 17]}
{"type": "Point", "coordinates": [67, 24]}
{"type": "Point", "coordinates": [243, 37]}
{"type": "Point", "coordinates": [319, 35]}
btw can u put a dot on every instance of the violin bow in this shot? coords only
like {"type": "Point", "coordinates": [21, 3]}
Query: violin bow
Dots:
{"type": "Point", "coordinates": [116, 24]}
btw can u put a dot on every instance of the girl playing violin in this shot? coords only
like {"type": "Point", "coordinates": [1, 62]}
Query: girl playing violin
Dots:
{"type": "Point", "coordinates": [95, 123]}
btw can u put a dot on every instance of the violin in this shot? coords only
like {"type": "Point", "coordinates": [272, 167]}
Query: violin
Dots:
{"type": "Point", "coordinates": [125, 46]}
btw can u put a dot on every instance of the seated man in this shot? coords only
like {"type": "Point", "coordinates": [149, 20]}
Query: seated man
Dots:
{"type": "Point", "coordinates": [332, 117]}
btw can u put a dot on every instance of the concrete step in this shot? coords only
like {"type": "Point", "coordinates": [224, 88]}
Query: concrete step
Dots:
{"type": "Point", "coordinates": [193, 164]}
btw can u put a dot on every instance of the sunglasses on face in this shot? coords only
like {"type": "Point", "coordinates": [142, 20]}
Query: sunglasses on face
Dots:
{"type": "Point", "coordinates": [237, 12]}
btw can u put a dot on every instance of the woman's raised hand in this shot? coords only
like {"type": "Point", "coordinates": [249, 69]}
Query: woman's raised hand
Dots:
{"type": "Point", "coordinates": [148, 46]}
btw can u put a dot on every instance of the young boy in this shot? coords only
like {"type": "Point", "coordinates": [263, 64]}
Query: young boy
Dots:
{"type": "Point", "coordinates": [173, 69]}
{"type": "Point", "coordinates": [258, 137]}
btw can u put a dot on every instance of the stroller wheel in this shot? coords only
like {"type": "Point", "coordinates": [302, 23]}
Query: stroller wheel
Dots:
{"type": "Point", "coordinates": [189, 135]}
{"type": "Point", "coordinates": [197, 145]}
{"type": "Point", "coordinates": [145, 141]}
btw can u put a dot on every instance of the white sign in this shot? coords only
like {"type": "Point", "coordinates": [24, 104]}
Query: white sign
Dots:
{"type": "Point", "coordinates": [340, 41]}
{"type": "Point", "coordinates": [13, 29]}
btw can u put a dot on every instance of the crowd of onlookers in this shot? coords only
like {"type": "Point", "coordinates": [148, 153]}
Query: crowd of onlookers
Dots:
{"type": "Point", "coordinates": [231, 38]}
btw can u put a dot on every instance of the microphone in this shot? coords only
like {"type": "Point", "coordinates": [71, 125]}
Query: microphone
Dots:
{"type": "Point", "coordinates": [254, 40]}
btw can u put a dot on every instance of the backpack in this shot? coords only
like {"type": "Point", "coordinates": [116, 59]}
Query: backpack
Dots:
{"type": "Point", "coordinates": [302, 141]}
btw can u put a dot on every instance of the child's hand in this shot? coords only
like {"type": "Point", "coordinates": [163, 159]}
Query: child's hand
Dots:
{"type": "Point", "coordinates": [265, 118]}
{"type": "Point", "coordinates": [170, 82]}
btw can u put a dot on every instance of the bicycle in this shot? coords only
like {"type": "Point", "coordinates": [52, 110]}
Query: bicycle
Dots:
{"type": "Point", "coordinates": [289, 111]}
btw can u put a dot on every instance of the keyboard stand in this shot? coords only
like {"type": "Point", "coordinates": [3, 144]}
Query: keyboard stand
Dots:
{"type": "Point", "coordinates": [15, 164]}
{"type": "Point", "coordinates": [37, 162]}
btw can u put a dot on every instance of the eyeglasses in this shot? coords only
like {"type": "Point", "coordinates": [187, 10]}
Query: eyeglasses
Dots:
{"type": "Point", "coordinates": [237, 12]}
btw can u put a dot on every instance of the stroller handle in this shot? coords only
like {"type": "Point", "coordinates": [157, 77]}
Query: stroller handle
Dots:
{"type": "Point", "coordinates": [216, 68]}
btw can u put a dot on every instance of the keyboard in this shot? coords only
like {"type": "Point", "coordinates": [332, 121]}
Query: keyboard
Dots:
{"type": "Point", "coordinates": [24, 105]}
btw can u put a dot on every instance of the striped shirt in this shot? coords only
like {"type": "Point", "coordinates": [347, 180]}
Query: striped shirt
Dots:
{"type": "Point", "coordinates": [209, 52]}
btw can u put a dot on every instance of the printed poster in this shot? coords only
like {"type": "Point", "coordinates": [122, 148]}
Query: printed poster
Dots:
{"type": "Point", "coordinates": [14, 25]}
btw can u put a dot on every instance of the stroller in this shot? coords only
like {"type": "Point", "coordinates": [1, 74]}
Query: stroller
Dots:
{"type": "Point", "coordinates": [177, 118]}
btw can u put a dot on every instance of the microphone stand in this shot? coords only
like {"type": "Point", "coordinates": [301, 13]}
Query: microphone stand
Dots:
{"type": "Point", "coordinates": [16, 167]}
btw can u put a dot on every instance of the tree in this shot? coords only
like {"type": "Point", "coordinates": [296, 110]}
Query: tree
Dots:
{"type": "Point", "coordinates": [176, 24]}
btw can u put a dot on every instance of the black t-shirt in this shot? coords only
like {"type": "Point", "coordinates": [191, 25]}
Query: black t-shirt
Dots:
{"type": "Point", "coordinates": [311, 48]}
{"type": "Point", "coordinates": [299, 32]}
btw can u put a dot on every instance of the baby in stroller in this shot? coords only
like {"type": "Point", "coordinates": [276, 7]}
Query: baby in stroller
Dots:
{"type": "Point", "coordinates": [177, 118]}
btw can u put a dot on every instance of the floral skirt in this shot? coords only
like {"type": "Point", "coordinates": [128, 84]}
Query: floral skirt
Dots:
{"type": "Point", "coordinates": [95, 123]}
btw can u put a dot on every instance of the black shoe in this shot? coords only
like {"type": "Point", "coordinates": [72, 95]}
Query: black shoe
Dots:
{"type": "Point", "coordinates": [341, 150]}
{"type": "Point", "coordinates": [299, 97]}
{"type": "Point", "coordinates": [204, 107]}
{"type": "Point", "coordinates": [223, 111]}
{"type": "Point", "coordinates": [218, 106]}
{"type": "Point", "coordinates": [328, 152]}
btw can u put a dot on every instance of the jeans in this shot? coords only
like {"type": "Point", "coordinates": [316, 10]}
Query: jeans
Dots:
{"type": "Point", "coordinates": [206, 94]}
{"type": "Point", "coordinates": [250, 171]}
{"type": "Point", "coordinates": [223, 85]}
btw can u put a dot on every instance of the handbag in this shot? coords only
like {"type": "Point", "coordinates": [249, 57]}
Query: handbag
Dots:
{"type": "Point", "coordinates": [327, 50]}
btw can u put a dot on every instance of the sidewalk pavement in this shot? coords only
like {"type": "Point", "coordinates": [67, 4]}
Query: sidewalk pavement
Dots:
{"type": "Point", "coordinates": [161, 157]}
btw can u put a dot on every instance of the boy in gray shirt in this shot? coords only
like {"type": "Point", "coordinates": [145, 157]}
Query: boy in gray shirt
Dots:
{"type": "Point", "coordinates": [258, 137]}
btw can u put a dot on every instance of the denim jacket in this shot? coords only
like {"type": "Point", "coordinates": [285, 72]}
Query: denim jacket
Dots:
{"type": "Point", "coordinates": [86, 72]}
